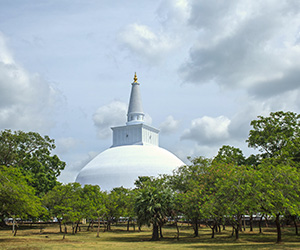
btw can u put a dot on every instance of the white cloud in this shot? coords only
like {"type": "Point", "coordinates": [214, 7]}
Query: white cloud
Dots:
{"type": "Point", "coordinates": [208, 130]}
{"type": "Point", "coordinates": [169, 125]}
{"type": "Point", "coordinates": [26, 100]}
{"type": "Point", "coordinates": [142, 41]}
{"type": "Point", "coordinates": [113, 114]}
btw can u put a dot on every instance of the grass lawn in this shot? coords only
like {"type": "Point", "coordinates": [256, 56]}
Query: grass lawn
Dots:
{"type": "Point", "coordinates": [47, 237]}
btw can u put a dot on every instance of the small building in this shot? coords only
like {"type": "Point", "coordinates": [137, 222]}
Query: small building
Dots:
{"type": "Point", "coordinates": [135, 152]}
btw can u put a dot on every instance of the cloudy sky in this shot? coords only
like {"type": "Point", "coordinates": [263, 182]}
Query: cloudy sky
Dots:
{"type": "Point", "coordinates": [206, 68]}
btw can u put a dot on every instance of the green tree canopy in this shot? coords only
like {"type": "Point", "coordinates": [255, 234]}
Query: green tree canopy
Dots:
{"type": "Point", "coordinates": [31, 153]}
{"type": "Point", "coordinates": [66, 203]}
{"type": "Point", "coordinates": [17, 198]}
{"type": "Point", "coordinates": [154, 202]}
{"type": "Point", "coordinates": [187, 182]}
{"type": "Point", "coordinates": [231, 155]}
{"type": "Point", "coordinates": [272, 134]}
{"type": "Point", "coordinates": [278, 190]}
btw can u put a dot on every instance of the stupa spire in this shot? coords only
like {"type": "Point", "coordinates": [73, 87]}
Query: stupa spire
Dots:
{"type": "Point", "coordinates": [135, 113]}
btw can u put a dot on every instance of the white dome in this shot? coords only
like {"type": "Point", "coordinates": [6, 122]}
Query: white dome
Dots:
{"type": "Point", "coordinates": [121, 166]}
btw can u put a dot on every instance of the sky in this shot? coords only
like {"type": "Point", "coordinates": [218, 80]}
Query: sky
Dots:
{"type": "Point", "coordinates": [206, 69]}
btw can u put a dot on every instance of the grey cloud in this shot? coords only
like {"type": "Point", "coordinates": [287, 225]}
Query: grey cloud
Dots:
{"type": "Point", "coordinates": [109, 115]}
{"type": "Point", "coordinates": [244, 45]}
{"type": "Point", "coordinates": [169, 125]}
{"type": "Point", "coordinates": [290, 80]}
{"type": "Point", "coordinates": [208, 14]}
{"type": "Point", "coordinates": [208, 130]}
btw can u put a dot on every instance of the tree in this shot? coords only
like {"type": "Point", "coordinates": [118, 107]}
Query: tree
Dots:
{"type": "Point", "coordinates": [115, 205]}
{"type": "Point", "coordinates": [186, 181]}
{"type": "Point", "coordinates": [279, 191]}
{"type": "Point", "coordinates": [17, 198]}
{"type": "Point", "coordinates": [153, 204]}
{"type": "Point", "coordinates": [231, 155]}
{"type": "Point", "coordinates": [66, 203]}
{"type": "Point", "coordinates": [272, 134]}
{"type": "Point", "coordinates": [235, 190]}
{"type": "Point", "coordinates": [95, 201]}
{"type": "Point", "coordinates": [31, 153]}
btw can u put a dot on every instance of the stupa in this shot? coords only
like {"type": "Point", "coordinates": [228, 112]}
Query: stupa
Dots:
{"type": "Point", "coordinates": [135, 152]}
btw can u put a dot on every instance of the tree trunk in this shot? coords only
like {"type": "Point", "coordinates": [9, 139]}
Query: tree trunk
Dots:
{"type": "Point", "coordinates": [59, 223]}
{"type": "Point", "coordinates": [133, 225]}
{"type": "Point", "coordinates": [65, 232]}
{"type": "Point", "coordinates": [266, 220]}
{"type": "Point", "coordinates": [237, 232]}
{"type": "Point", "coordinates": [98, 229]}
{"type": "Point", "coordinates": [212, 232]}
{"type": "Point", "coordinates": [13, 225]}
{"type": "Point", "coordinates": [16, 229]}
{"type": "Point", "coordinates": [244, 222]}
{"type": "Point", "coordinates": [295, 224]}
{"type": "Point", "coordinates": [77, 225]}
{"type": "Point", "coordinates": [128, 224]}
{"type": "Point", "coordinates": [73, 228]}
{"type": "Point", "coordinates": [196, 230]}
{"type": "Point", "coordinates": [251, 223]}
{"type": "Point", "coordinates": [219, 226]}
{"type": "Point", "coordinates": [155, 235]}
{"type": "Point", "coordinates": [240, 222]}
{"type": "Point", "coordinates": [278, 229]}
{"type": "Point", "coordinates": [160, 231]}
{"type": "Point", "coordinates": [177, 229]}
{"type": "Point", "coordinates": [259, 224]}
{"type": "Point", "coordinates": [232, 233]}
{"type": "Point", "coordinates": [108, 225]}
{"type": "Point", "coordinates": [88, 229]}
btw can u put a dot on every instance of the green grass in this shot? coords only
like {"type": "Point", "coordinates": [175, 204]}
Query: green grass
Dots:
{"type": "Point", "coordinates": [49, 238]}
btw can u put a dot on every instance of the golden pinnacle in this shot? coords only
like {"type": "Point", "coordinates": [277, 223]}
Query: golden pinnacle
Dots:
{"type": "Point", "coordinates": [135, 77]}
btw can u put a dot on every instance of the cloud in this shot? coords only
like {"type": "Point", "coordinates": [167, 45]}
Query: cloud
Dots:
{"type": "Point", "coordinates": [251, 45]}
{"type": "Point", "coordinates": [64, 145]}
{"type": "Point", "coordinates": [143, 42]}
{"type": "Point", "coordinates": [112, 114]}
{"type": "Point", "coordinates": [208, 130]}
{"type": "Point", "coordinates": [169, 125]}
{"type": "Point", "coordinates": [174, 13]}
{"type": "Point", "coordinates": [26, 99]}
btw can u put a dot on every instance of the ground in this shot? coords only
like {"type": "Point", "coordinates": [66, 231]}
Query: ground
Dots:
{"type": "Point", "coordinates": [47, 237]}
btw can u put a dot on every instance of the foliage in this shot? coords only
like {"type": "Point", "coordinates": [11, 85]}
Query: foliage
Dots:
{"type": "Point", "coordinates": [230, 155]}
{"type": "Point", "coordinates": [66, 203]}
{"type": "Point", "coordinates": [153, 204]}
{"type": "Point", "coordinates": [272, 134]}
{"type": "Point", "coordinates": [31, 153]}
{"type": "Point", "coordinates": [279, 191]}
{"type": "Point", "coordinates": [187, 181]}
{"type": "Point", "coordinates": [17, 198]}
{"type": "Point", "coordinates": [95, 200]}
